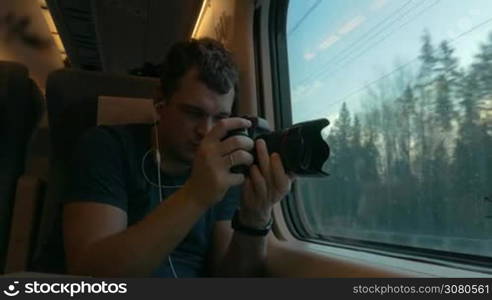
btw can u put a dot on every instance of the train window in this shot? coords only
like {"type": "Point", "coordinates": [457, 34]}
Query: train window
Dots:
{"type": "Point", "coordinates": [407, 87]}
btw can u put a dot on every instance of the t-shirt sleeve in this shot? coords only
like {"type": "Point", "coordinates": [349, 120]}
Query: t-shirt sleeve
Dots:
{"type": "Point", "coordinates": [98, 170]}
{"type": "Point", "coordinates": [225, 209]}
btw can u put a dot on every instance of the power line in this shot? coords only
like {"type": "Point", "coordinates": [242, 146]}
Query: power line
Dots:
{"type": "Point", "coordinates": [470, 30]}
{"type": "Point", "coordinates": [364, 50]}
{"type": "Point", "coordinates": [303, 18]}
{"type": "Point", "coordinates": [408, 63]}
{"type": "Point", "coordinates": [367, 37]}
{"type": "Point", "coordinates": [356, 42]}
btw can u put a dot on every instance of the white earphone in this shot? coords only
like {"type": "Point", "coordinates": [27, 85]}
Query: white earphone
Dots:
{"type": "Point", "coordinates": [159, 183]}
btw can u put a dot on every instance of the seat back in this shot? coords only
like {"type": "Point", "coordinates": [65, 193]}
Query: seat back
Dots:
{"type": "Point", "coordinates": [21, 106]}
{"type": "Point", "coordinates": [75, 100]}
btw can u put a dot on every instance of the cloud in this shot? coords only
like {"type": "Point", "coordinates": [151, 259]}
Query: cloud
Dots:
{"type": "Point", "coordinates": [345, 29]}
{"type": "Point", "coordinates": [302, 91]}
{"type": "Point", "coordinates": [378, 4]}
{"type": "Point", "coordinates": [310, 55]}
{"type": "Point", "coordinates": [328, 42]}
{"type": "Point", "coordinates": [351, 25]}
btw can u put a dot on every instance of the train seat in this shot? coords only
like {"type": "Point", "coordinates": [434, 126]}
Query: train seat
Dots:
{"type": "Point", "coordinates": [21, 107]}
{"type": "Point", "coordinates": [77, 100]}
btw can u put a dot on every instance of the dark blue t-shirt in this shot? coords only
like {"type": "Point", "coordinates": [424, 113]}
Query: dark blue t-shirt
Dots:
{"type": "Point", "coordinates": [109, 167]}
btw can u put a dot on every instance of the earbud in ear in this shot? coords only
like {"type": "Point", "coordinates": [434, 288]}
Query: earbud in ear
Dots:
{"type": "Point", "coordinates": [157, 115]}
{"type": "Point", "coordinates": [158, 157]}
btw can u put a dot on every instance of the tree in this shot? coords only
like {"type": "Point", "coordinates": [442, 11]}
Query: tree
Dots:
{"type": "Point", "coordinates": [406, 112]}
{"type": "Point", "coordinates": [427, 131]}
{"type": "Point", "coordinates": [447, 80]}
{"type": "Point", "coordinates": [471, 179]}
{"type": "Point", "coordinates": [483, 69]}
{"type": "Point", "coordinates": [356, 135]}
{"type": "Point", "coordinates": [443, 106]}
{"type": "Point", "coordinates": [342, 165]}
{"type": "Point", "coordinates": [428, 61]}
{"type": "Point", "coordinates": [357, 165]}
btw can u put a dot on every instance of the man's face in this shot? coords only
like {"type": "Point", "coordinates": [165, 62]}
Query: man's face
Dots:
{"type": "Point", "coordinates": [188, 116]}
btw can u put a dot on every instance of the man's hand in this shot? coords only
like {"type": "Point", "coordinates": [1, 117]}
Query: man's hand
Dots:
{"type": "Point", "coordinates": [266, 185]}
{"type": "Point", "coordinates": [211, 176]}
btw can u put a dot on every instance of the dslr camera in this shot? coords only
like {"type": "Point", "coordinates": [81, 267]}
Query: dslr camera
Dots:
{"type": "Point", "coordinates": [300, 146]}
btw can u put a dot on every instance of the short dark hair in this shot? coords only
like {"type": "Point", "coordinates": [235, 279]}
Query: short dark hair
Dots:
{"type": "Point", "coordinates": [212, 60]}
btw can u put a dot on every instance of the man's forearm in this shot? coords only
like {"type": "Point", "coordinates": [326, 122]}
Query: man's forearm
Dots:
{"type": "Point", "coordinates": [245, 257]}
{"type": "Point", "coordinates": [141, 248]}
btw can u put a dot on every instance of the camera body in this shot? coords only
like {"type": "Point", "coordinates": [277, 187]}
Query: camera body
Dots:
{"type": "Point", "coordinates": [301, 147]}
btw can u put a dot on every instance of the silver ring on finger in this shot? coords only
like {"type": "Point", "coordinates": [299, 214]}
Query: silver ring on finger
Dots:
{"type": "Point", "coordinates": [231, 160]}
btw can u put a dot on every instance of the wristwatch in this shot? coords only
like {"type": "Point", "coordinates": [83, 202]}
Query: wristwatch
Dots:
{"type": "Point", "coordinates": [237, 226]}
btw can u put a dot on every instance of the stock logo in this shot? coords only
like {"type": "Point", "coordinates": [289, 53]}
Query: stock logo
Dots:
{"type": "Point", "coordinates": [66, 288]}
{"type": "Point", "coordinates": [11, 290]}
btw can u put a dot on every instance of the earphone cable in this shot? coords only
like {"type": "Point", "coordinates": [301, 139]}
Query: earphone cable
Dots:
{"type": "Point", "coordinates": [159, 184]}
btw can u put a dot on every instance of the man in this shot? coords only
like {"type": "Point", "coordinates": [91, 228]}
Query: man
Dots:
{"type": "Point", "coordinates": [133, 213]}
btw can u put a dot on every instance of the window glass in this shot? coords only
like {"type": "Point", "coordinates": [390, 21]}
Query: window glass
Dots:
{"type": "Point", "coordinates": [407, 87]}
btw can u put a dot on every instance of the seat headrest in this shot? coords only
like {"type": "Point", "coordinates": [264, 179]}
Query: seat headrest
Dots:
{"type": "Point", "coordinates": [21, 106]}
{"type": "Point", "coordinates": [125, 110]}
{"type": "Point", "coordinates": [10, 70]}
{"type": "Point", "coordinates": [72, 98]}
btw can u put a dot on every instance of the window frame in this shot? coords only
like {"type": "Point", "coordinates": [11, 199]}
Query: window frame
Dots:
{"type": "Point", "coordinates": [280, 91]}
{"type": "Point", "coordinates": [279, 65]}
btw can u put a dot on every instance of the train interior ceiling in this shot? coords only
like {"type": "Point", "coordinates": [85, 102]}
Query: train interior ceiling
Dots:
{"type": "Point", "coordinates": [95, 54]}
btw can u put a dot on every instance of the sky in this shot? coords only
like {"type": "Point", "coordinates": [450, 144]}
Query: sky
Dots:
{"type": "Point", "coordinates": [338, 48]}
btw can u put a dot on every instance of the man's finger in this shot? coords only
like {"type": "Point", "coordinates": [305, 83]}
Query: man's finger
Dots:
{"type": "Point", "coordinates": [239, 157]}
{"type": "Point", "coordinates": [234, 143]}
{"type": "Point", "coordinates": [236, 179]}
{"type": "Point", "coordinates": [280, 178]}
{"type": "Point", "coordinates": [258, 181]}
{"type": "Point", "coordinates": [263, 158]}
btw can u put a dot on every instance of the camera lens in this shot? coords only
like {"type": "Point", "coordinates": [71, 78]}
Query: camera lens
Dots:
{"type": "Point", "coordinates": [301, 147]}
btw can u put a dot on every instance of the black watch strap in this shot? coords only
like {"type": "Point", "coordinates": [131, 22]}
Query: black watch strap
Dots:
{"type": "Point", "coordinates": [237, 226]}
